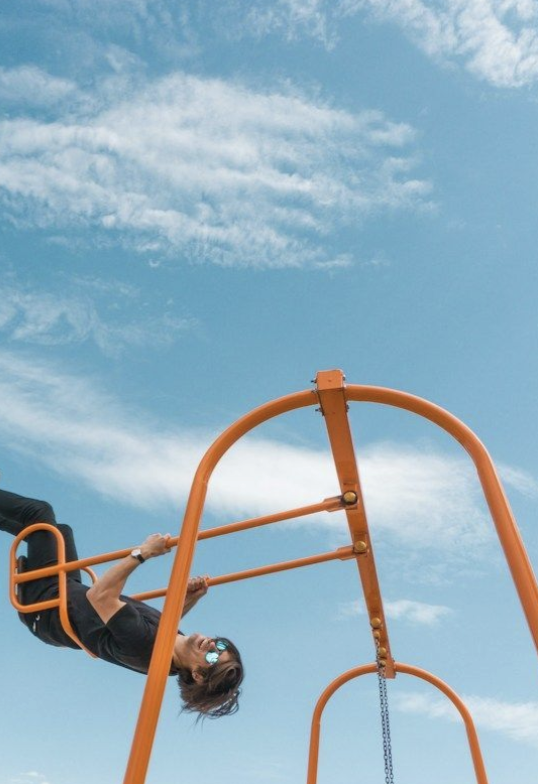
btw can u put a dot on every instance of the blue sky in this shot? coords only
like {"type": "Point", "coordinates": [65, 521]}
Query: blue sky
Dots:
{"type": "Point", "coordinates": [202, 205]}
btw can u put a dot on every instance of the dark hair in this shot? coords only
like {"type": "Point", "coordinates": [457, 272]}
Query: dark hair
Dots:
{"type": "Point", "coordinates": [218, 694]}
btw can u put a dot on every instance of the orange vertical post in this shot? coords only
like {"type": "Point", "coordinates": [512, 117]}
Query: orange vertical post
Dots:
{"type": "Point", "coordinates": [331, 393]}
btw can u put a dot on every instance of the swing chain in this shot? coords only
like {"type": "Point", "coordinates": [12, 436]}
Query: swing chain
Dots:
{"type": "Point", "coordinates": [385, 724]}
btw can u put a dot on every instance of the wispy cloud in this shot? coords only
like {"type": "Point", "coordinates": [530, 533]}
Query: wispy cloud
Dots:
{"type": "Point", "coordinates": [495, 40]}
{"type": "Point", "coordinates": [36, 316]}
{"type": "Point", "coordinates": [208, 169]}
{"type": "Point", "coordinates": [415, 613]}
{"type": "Point", "coordinates": [292, 19]}
{"type": "Point", "coordinates": [29, 85]}
{"type": "Point", "coordinates": [515, 720]}
{"type": "Point", "coordinates": [417, 498]}
{"type": "Point", "coordinates": [30, 777]}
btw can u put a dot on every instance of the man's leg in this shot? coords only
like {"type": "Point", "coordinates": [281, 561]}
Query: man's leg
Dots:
{"type": "Point", "coordinates": [17, 513]}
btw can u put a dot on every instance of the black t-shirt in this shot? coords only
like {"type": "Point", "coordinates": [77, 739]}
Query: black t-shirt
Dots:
{"type": "Point", "coordinates": [127, 639]}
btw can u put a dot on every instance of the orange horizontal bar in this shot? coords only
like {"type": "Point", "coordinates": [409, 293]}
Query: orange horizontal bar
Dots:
{"type": "Point", "coordinates": [332, 504]}
{"type": "Point", "coordinates": [328, 505]}
{"type": "Point", "coordinates": [70, 566]}
{"type": "Point", "coordinates": [342, 554]}
{"type": "Point", "coordinates": [49, 604]}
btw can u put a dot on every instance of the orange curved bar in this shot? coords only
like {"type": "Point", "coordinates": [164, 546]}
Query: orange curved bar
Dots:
{"type": "Point", "coordinates": [162, 653]}
{"type": "Point", "coordinates": [61, 601]}
{"type": "Point", "coordinates": [505, 524]}
{"type": "Point", "coordinates": [356, 672]}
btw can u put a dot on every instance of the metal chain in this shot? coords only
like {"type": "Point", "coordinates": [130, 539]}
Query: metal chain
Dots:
{"type": "Point", "coordinates": [385, 724]}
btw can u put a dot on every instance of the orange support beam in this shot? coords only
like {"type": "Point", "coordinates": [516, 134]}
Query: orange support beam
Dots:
{"type": "Point", "coordinates": [331, 393]}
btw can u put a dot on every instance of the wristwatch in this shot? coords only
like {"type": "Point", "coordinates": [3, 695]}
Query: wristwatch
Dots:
{"type": "Point", "coordinates": [137, 553]}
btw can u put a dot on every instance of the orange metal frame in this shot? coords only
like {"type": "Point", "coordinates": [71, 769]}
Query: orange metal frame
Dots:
{"type": "Point", "coordinates": [356, 672]}
{"type": "Point", "coordinates": [332, 397]}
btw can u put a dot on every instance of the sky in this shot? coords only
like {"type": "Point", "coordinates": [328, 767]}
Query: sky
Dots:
{"type": "Point", "coordinates": [202, 205]}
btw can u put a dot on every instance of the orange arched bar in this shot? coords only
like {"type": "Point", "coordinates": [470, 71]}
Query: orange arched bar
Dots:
{"type": "Point", "coordinates": [512, 544]}
{"type": "Point", "coordinates": [365, 669]}
{"type": "Point", "coordinates": [507, 530]}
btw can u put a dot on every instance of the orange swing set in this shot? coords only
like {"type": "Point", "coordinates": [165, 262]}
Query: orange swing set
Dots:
{"type": "Point", "coordinates": [331, 396]}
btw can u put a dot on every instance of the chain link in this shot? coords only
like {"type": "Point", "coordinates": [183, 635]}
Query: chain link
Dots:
{"type": "Point", "coordinates": [385, 724]}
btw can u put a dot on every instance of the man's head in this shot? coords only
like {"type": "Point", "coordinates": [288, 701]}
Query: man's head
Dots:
{"type": "Point", "coordinates": [210, 673]}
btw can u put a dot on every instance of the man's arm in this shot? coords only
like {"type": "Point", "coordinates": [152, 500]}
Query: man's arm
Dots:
{"type": "Point", "coordinates": [104, 595]}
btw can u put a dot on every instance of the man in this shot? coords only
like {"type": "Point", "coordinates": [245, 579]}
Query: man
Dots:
{"type": "Point", "coordinates": [115, 627]}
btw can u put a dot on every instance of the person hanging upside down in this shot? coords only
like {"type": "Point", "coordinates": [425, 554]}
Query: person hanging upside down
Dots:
{"type": "Point", "coordinates": [115, 627]}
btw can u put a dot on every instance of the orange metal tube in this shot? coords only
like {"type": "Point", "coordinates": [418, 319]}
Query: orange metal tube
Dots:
{"type": "Point", "coordinates": [356, 672]}
{"type": "Point", "coordinates": [61, 601]}
{"type": "Point", "coordinates": [342, 554]}
{"type": "Point", "coordinates": [328, 505]}
{"type": "Point", "coordinates": [332, 504]}
{"type": "Point", "coordinates": [507, 530]}
{"type": "Point", "coordinates": [160, 662]}
{"type": "Point", "coordinates": [331, 392]}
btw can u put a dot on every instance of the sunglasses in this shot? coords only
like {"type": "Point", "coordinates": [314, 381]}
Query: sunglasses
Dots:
{"type": "Point", "coordinates": [212, 657]}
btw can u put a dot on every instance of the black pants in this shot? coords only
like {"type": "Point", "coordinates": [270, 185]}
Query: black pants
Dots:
{"type": "Point", "coordinates": [17, 513]}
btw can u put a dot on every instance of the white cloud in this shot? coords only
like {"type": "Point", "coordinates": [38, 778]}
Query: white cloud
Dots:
{"type": "Point", "coordinates": [495, 40]}
{"type": "Point", "coordinates": [30, 777]}
{"type": "Point", "coordinates": [520, 480]}
{"type": "Point", "coordinates": [518, 721]}
{"type": "Point", "coordinates": [208, 169]}
{"type": "Point", "coordinates": [416, 613]}
{"type": "Point", "coordinates": [415, 498]}
{"type": "Point", "coordinates": [292, 18]}
{"type": "Point", "coordinates": [34, 316]}
{"type": "Point", "coordinates": [31, 85]}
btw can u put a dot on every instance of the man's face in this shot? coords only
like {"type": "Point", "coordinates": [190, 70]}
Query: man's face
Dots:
{"type": "Point", "coordinates": [196, 649]}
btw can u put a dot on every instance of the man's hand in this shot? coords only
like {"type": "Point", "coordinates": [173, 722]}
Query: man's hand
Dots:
{"type": "Point", "coordinates": [196, 588]}
{"type": "Point", "coordinates": [155, 544]}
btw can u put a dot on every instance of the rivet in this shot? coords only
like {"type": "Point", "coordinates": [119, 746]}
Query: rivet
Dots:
{"type": "Point", "coordinates": [349, 497]}
{"type": "Point", "coordinates": [375, 623]}
{"type": "Point", "coordinates": [382, 651]}
{"type": "Point", "coordinates": [360, 547]}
